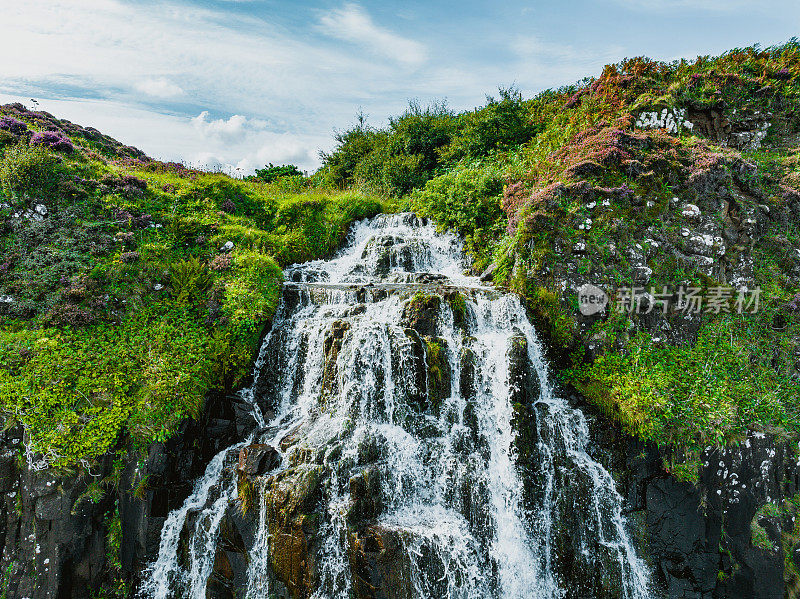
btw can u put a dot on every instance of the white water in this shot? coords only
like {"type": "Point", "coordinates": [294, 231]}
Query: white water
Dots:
{"type": "Point", "coordinates": [472, 525]}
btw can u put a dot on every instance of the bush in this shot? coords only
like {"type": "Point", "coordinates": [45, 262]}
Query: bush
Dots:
{"type": "Point", "coordinates": [466, 200]}
{"type": "Point", "coordinates": [222, 193]}
{"type": "Point", "coordinates": [502, 124]}
{"type": "Point", "coordinates": [52, 140]}
{"type": "Point", "coordinates": [28, 172]}
{"type": "Point", "coordinates": [270, 173]}
{"type": "Point", "coordinates": [13, 125]}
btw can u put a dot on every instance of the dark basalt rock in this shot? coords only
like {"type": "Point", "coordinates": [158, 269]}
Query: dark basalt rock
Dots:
{"type": "Point", "coordinates": [698, 538]}
{"type": "Point", "coordinates": [380, 567]}
{"type": "Point", "coordinates": [524, 382]}
{"type": "Point", "coordinates": [258, 459]}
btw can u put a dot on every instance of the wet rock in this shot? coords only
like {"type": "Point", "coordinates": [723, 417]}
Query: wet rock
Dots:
{"type": "Point", "coordinates": [411, 358]}
{"type": "Point", "coordinates": [439, 372]}
{"type": "Point", "coordinates": [258, 459]}
{"type": "Point", "coordinates": [467, 373]}
{"type": "Point", "coordinates": [366, 496]}
{"type": "Point", "coordinates": [292, 499]}
{"type": "Point", "coordinates": [379, 564]}
{"type": "Point", "coordinates": [699, 537]}
{"type": "Point", "coordinates": [421, 313]}
{"type": "Point", "coordinates": [488, 274]}
{"type": "Point", "coordinates": [522, 376]}
{"type": "Point", "coordinates": [331, 346]}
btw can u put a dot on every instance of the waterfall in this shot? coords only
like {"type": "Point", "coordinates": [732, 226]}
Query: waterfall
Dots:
{"type": "Point", "coordinates": [423, 451]}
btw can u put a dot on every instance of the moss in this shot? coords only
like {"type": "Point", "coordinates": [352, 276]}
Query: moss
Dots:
{"type": "Point", "coordinates": [458, 307]}
{"type": "Point", "coordinates": [248, 494]}
{"type": "Point", "coordinates": [141, 487]}
{"type": "Point", "coordinates": [421, 313]}
{"type": "Point", "coordinates": [438, 367]}
{"type": "Point", "coordinates": [547, 310]}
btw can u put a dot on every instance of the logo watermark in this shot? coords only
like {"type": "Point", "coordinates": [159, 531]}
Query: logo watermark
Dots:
{"type": "Point", "coordinates": [591, 299]}
{"type": "Point", "coordinates": [719, 299]}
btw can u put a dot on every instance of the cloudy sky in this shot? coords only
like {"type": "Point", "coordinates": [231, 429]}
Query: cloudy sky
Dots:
{"type": "Point", "coordinates": [239, 83]}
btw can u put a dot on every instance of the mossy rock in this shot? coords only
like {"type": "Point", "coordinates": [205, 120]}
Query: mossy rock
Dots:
{"type": "Point", "coordinates": [439, 372]}
{"type": "Point", "coordinates": [292, 498]}
{"type": "Point", "coordinates": [421, 313]}
{"type": "Point", "coordinates": [379, 564]}
{"type": "Point", "coordinates": [366, 497]}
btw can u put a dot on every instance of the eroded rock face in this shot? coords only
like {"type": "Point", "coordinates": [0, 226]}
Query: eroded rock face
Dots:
{"type": "Point", "coordinates": [713, 539]}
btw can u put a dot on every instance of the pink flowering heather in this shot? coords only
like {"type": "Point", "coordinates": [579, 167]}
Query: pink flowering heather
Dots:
{"type": "Point", "coordinates": [12, 125]}
{"type": "Point", "coordinates": [52, 140]}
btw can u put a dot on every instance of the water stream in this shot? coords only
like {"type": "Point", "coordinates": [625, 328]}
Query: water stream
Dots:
{"type": "Point", "coordinates": [393, 386]}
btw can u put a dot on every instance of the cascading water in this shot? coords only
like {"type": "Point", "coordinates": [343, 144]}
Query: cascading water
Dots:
{"type": "Point", "coordinates": [422, 450]}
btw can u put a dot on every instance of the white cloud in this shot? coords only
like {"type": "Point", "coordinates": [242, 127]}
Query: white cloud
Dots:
{"type": "Point", "coordinates": [159, 88]}
{"type": "Point", "coordinates": [352, 24]}
{"type": "Point", "coordinates": [232, 130]}
{"type": "Point", "coordinates": [153, 70]}
{"type": "Point", "coordinates": [553, 63]}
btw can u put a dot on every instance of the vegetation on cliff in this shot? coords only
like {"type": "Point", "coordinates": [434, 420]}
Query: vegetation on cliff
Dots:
{"type": "Point", "coordinates": [655, 174]}
{"type": "Point", "coordinates": [130, 288]}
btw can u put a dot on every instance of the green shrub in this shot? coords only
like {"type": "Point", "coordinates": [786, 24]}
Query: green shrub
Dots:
{"type": "Point", "coordinates": [270, 173]}
{"type": "Point", "coordinates": [190, 280]}
{"type": "Point", "coordinates": [466, 200]}
{"type": "Point", "coordinates": [28, 172]}
{"type": "Point", "coordinates": [502, 124]}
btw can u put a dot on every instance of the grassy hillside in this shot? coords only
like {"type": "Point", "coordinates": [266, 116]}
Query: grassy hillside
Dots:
{"type": "Point", "coordinates": [129, 288]}
{"type": "Point", "coordinates": [120, 309]}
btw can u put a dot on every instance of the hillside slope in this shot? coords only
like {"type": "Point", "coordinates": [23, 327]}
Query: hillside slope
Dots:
{"type": "Point", "coordinates": [663, 177]}
{"type": "Point", "coordinates": [134, 293]}
{"type": "Point", "coordinates": [130, 288]}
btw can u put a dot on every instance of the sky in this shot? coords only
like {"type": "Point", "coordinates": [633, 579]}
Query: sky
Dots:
{"type": "Point", "coordinates": [235, 84]}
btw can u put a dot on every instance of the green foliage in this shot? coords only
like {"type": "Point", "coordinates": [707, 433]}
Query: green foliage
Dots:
{"type": "Point", "coordinates": [118, 328]}
{"type": "Point", "coordinates": [704, 394]}
{"type": "Point", "coordinates": [502, 124]}
{"type": "Point", "coordinates": [424, 142]}
{"type": "Point", "coordinates": [269, 173]}
{"type": "Point", "coordinates": [190, 280]}
{"type": "Point", "coordinates": [252, 290]}
{"type": "Point", "coordinates": [466, 200]}
{"type": "Point", "coordinates": [28, 172]}
{"type": "Point", "coordinates": [114, 539]}
{"type": "Point", "coordinates": [75, 390]}
{"type": "Point", "coordinates": [5, 580]}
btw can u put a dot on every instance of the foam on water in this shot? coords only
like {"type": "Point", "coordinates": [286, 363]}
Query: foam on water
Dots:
{"type": "Point", "coordinates": [452, 489]}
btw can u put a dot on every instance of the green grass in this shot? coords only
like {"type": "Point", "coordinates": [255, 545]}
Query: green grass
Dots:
{"type": "Point", "coordinates": [126, 312]}
{"type": "Point", "coordinates": [707, 393]}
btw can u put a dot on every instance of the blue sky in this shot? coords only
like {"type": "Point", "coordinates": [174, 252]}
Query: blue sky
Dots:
{"type": "Point", "coordinates": [238, 83]}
